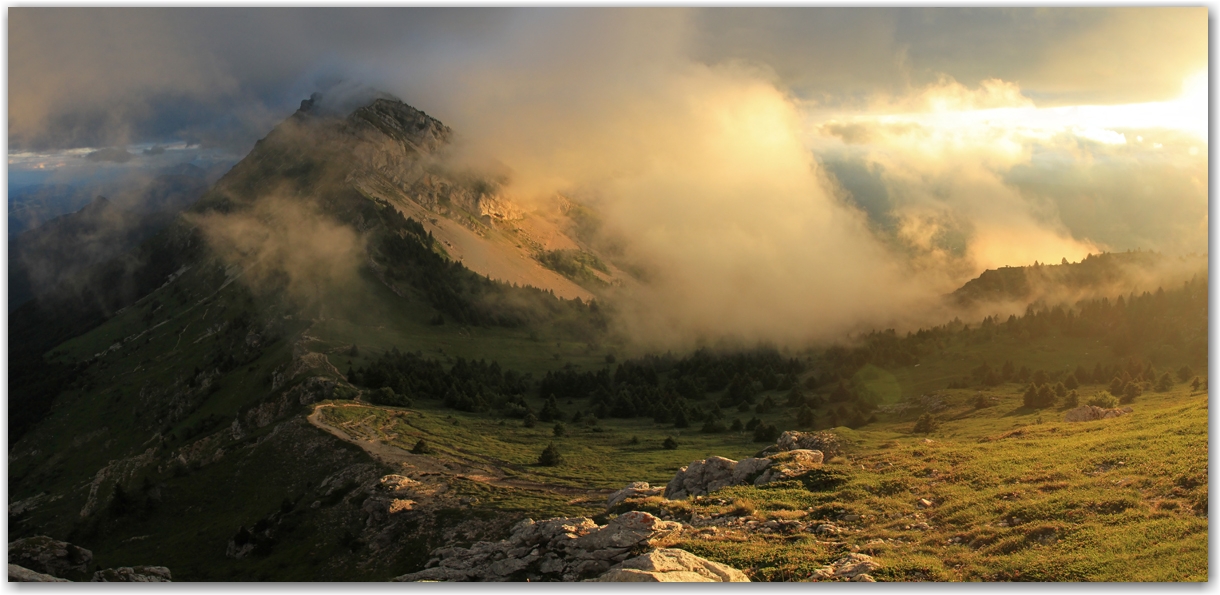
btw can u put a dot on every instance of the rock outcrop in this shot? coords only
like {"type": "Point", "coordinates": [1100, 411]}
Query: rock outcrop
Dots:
{"type": "Point", "coordinates": [133, 574]}
{"type": "Point", "coordinates": [671, 566]}
{"type": "Point", "coordinates": [21, 574]}
{"type": "Point", "coordinates": [1093, 412]}
{"type": "Point", "coordinates": [561, 549]}
{"type": "Point", "coordinates": [636, 489]}
{"type": "Point", "coordinates": [45, 555]}
{"type": "Point", "coordinates": [852, 567]}
{"type": "Point", "coordinates": [713, 473]}
{"type": "Point", "coordinates": [827, 443]}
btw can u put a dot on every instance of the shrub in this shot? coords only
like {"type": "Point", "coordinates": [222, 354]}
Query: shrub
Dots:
{"type": "Point", "coordinates": [766, 433]}
{"type": "Point", "coordinates": [550, 456]}
{"type": "Point", "coordinates": [559, 430]}
{"type": "Point", "coordinates": [670, 443]}
{"type": "Point", "coordinates": [530, 420]}
{"type": "Point", "coordinates": [926, 424]}
{"type": "Point", "coordinates": [1103, 400]}
{"type": "Point", "coordinates": [386, 396]}
{"type": "Point", "coordinates": [422, 448]}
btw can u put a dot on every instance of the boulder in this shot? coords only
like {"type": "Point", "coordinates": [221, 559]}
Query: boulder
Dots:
{"type": "Point", "coordinates": [790, 464]}
{"type": "Point", "coordinates": [851, 567]}
{"type": "Point", "coordinates": [700, 478]}
{"type": "Point", "coordinates": [50, 556]}
{"type": "Point", "coordinates": [1092, 412]}
{"type": "Point", "coordinates": [133, 574]}
{"type": "Point", "coordinates": [671, 566]}
{"type": "Point", "coordinates": [704, 477]}
{"type": "Point", "coordinates": [560, 549]}
{"type": "Point", "coordinates": [827, 443]}
{"type": "Point", "coordinates": [21, 574]}
{"type": "Point", "coordinates": [637, 489]}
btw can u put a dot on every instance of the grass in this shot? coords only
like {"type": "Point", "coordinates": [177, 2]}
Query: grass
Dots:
{"type": "Point", "coordinates": [1018, 494]}
{"type": "Point", "coordinates": [1114, 500]}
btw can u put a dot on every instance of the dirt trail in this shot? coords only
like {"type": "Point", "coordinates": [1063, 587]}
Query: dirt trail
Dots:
{"type": "Point", "coordinates": [491, 473]}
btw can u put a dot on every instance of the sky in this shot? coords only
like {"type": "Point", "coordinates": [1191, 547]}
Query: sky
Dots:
{"type": "Point", "coordinates": [909, 148]}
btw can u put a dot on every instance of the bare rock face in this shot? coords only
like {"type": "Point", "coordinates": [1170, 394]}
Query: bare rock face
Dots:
{"type": "Point", "coordinates": [21, 574]}
{"type": "Point", "coordinates": [637, 489]}
{"type": "Point", "coordinates": [825, 442]}
{"type": "Point", "coordinates": [1092, 412]}
{"type": "Point", "coordinates": [561, 549]}
{"type": "Point", "coordinates": [50, 556]}
{"type": "Point", "coordinates": [704, 477]}
{"type": "Point", "coordinates": [671, 566]}
{"type": "Point", "coordinates": [133, 574]}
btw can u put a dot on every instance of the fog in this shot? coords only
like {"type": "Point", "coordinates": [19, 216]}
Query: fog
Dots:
{"type": "Point", "coordinates": [785, 186]}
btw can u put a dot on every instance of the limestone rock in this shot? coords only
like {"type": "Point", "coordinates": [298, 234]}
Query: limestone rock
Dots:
{"type": "Point", "coordinates": [1092, 412]}
{"type": "Point", "coordinates": [851, 567]}
{"type": "Point", "coordinates": [703, 477]}
{"type": "Point", "coordinates": [50, 556]}
{"type": "Point", "coordinates": [133, 574]}
{"type": "Point", "coordinates": [671, 566]}
{"type": "Point", "coordinates": [637, 489]}
{"type": "Point", "coordinates": [790, 464]}
{"type": "Point", "coordinates": [827, 443]}
{"type": "Point", "coordinates": [749, 469]}
{"type": "Point", "coordinates": [700, 478]}
{"type": "Point", "coordinates": [21, 574]}
{"type": "Point", "coordinates": [560, 549]}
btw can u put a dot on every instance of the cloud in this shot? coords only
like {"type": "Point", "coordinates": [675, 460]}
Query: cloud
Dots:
{"type": "Point", "coordinates": [111, 154]}
{"type": "Point", "coordinates": [282, 242]}
{"type": "Point", "coordinates": [779, 174]}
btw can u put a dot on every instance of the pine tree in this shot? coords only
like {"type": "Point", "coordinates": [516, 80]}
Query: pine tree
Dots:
{"type": "Point", "coordinates": [550, 456]}
{"type": "Point", "coordinates": [1071, 383]}
{"type": "Point", "coordinates": [806, 417]}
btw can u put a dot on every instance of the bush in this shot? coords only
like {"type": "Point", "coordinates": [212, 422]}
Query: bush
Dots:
{"type": "Point", "coordinates": [421, 448]}
{"type": "Point", "coordinates": [386, 396]}
{"type": "Point", "coordinates": [766, 433]}
{"type": "Point", "coordinates": [530, 421]}
{"type": "Point", "coordinates": [550, 456]}
{"type": "Point", "coordinates": [559, 430]}
{"type": "Point", "coordinates": [670, 443]}
{"type": "Point", "coordinates": [981, 401]}
{"type": "Point", "coordinates": [926, 424]}
{"type": "Point", "coordinates": [1105, 400]}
